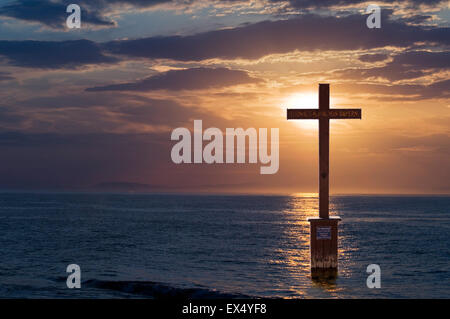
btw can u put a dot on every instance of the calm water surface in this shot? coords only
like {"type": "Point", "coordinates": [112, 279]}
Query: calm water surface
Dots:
{"type": "Point", "coordinates": [137, 246]}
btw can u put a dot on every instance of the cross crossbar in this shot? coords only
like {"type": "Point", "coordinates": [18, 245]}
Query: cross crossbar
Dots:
{"type": "Point", "coordinates": [314, 114]}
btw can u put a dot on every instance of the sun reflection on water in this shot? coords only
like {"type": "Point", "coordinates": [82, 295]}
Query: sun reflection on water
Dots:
{"type": "Point", "coordinates": [294, 256]}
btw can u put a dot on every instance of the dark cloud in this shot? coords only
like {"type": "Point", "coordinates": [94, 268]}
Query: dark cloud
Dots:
{"type": "Point", "coordinates": [187, 79]}
{"type": "Point", "coordinates": [53, 54]}
{"type": "Point", "coordinates": [5, 76]}
{"type": "Point", "coordinates": [77, 100]}
{"type": "Point", "coordinates": [313, 4]}
{"type": "Point", "coordinates": [418, 19]}
{"type": "Point", "coordinates": [373, 57]}
{"type": "Point", "coordinates": [304, 33]}
{"type": "Point", "coordinates": [9, 116]}
{"type": "Point", "coordinates": [137, 3]}
{"type": "Point", "coordinates": [50, 13]}
{"type": "Point", "coordinates": [100, 112]}
{"type": "Point", "coordinates": [424, 59]}
{"type": "Point", "coordinates": [253, 41]}
{"type": "Point", "coordinates": [155, 111]}
{"type": "Point", "coordinates": [407, 65]}
{"type": "Point", "coordinates": [400, 92]}
{"type": "Point", "coordinates": [440, 89]}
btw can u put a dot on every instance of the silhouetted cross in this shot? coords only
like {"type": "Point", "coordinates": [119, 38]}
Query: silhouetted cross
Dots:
{"type": "Point", "coordinates": [323, 114]}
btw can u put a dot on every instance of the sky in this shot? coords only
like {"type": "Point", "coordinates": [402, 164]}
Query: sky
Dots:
{"type": "Point", "coordinates": [97, 105]}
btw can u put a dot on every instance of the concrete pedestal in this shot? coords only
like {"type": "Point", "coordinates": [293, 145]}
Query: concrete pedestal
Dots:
{"type": "Point", "coordinates": [324, 246]}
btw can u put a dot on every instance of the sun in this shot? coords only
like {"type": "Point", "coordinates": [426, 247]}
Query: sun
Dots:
{"type": "Point", "coordinates": [305, 100]}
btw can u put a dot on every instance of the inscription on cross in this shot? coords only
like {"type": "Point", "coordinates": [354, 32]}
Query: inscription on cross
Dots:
{"type": "Point", "coordinates": [323, 114]}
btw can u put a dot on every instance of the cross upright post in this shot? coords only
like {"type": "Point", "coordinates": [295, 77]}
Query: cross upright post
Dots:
{"type": "Point", "coordinates": [324, 151]}
{"type": "Point", "coordinates": [324, 229]}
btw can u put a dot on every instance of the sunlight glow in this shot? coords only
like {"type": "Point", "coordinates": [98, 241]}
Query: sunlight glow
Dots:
{"type": "Point", "coordinates": [309, 195]}
{"type": "Point", "coordinates": [306, 100]}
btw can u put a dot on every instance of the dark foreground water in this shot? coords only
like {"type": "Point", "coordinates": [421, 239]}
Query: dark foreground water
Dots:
{"type": "Point", "coordinates": [218, 246]}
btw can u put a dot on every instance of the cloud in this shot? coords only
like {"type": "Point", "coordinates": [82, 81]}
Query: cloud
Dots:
{"type": "Point", "coordinates": [418, 19]}
{"type": "Point", "coordinates": [101, 112]}
{"type": "Point", "coordinates": [5, 76]}
{"type": "Point", "coordinates": [50, 13]}
{"type": "Point", "coordinates": [303, 33]}
{"type": "Point", "coordinates": [403, 92]}
{"type": "Point", "coordinates": [53, 54]}
{"type": "Point", "coordinates": [187, 79]}
{"type": "Point", "coordinates": [10, 117]}
{"type": "Point", "coordinates": [373, 57]}
{"type": "Point", "coordinates": [137, 3]}
{"type": "Point", "coordinates": [252, 41]}
{"type": "Point", "coordinates": [305, 4]}
{"type": "Point", "coordinates": [407, 65]}
{"type": "Point", "coordinates": [155, 112]}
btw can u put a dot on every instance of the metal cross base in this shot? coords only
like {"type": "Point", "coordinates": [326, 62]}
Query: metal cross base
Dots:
{"type": "Point", "coordinates": [324, 246]}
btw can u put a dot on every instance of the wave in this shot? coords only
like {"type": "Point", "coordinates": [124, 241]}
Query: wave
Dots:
{"type": "Point", "coordinates": [159, 291]}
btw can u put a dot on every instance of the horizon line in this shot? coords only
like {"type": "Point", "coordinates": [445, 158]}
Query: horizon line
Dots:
{"type": "Point", "coordinates": [206, 193]}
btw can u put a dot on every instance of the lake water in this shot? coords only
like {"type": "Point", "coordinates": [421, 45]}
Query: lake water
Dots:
{"type": "Point", "coordinates": [152, 246]}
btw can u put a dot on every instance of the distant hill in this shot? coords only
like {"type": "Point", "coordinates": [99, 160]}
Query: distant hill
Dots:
{"type": "Point", "coordinates": [144, 188]}
{"type": "Point", "coordinates": [125, 187]}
